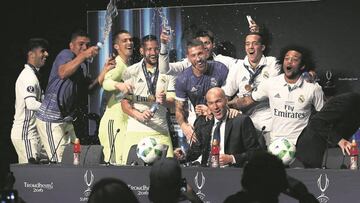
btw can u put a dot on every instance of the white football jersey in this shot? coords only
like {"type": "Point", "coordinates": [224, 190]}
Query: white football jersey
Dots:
{"type": "Point", "coordinates": [27, 86]}
{"type": "Point", "coordinates": [290, 105]}
{"type": "Point", "coordinates": [241, 74]}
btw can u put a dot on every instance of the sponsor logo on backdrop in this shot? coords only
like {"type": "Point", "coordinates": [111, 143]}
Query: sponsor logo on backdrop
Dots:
{"type": "Point", "coordinates": [89, 180]}
{"type": "Point", "coordinates": [199, 181]}
{"type": "Point", "coordinates": [39, 187]}
{"type": "Point", "coordinates": [139, 190]}
{"type": "Point", "coordinates": [323, 184]}
{"type": "Point", "coordinates": [329, 80]}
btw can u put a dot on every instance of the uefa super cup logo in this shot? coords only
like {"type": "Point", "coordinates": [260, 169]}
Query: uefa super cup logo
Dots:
{"type": "Point", "coordinates": [323, 198]}
{"type": "Point", "coordinates": [199, 184]}
{"type": "Point", "coordinates": [88, 182]}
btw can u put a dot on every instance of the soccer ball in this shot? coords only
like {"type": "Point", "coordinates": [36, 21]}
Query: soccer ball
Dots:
{"type": "Point", "coordinates": [149, 150]}
{"type": "Point", "coordinates": [283, 149]}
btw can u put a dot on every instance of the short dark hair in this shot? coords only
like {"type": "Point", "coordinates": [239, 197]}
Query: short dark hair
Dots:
{"type": "Point", "coordinates": [111, 190]}
{"type": "Point", "coordinates": [115, 36]}
{"type": "Point", "coordinates": [34, 43]}
{"type": "Point", "coordinates": [266, 173]}
{"type": "Point", "coordinates": [194, 43]}
{"type": "Point", "coordinates": [79, 33]}
{"type": "Point", "coordinates": [258, 34]}
{"type": "Point", "coordinates": [165, 181]}
{"type": "Point", "coordinates": [306, 56]}
{"type": "Point", "coordinates": [147, 38]}
{"type": "Point", "coordinates": [205, 33]}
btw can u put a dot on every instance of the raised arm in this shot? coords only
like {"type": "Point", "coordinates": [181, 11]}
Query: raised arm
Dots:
{"type": "Point", "coordinates": [164, 66]}
{"type": "Point", "coordinates": [241, 103]}
{"type": "Point", "coordinates": [69, 68]}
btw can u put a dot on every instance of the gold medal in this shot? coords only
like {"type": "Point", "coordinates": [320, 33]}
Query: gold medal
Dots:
{"type": "Point", "coordinates": [248, 88]}
{"type": "Point", "coordinates": [151, 98]}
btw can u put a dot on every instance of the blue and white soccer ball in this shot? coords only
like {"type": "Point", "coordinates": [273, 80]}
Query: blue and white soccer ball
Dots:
{"type": "Point", "coordinates": [149, 150]}
{"type": "Point", "coordinates": [283, 149]}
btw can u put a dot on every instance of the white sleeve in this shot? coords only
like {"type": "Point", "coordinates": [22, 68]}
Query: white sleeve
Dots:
{"type": "Point", "coordinates": [226, 60]}
{"type": "Point", "coordinates": [32, 104]}
{"type": "Point", "coordinates": [178, 67]}
{"type": "Point", "coordinates": [232, 81]}
{"type": "Point", "coordinates": [318, 100]}
{"type": "Point", "coordinates": [164, 59]}
{"type": "Point", "coordinates": [29, 89]}
{"type": "Point", "coordinates": [261, 91]}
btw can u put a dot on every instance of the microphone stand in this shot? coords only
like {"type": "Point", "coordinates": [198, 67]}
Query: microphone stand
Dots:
{"type": "Point", "coordinates": [112, 148]}
{"type": "Point", "coordinates": [56, 148]}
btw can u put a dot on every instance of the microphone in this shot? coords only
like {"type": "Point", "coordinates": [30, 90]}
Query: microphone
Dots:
{"type": "Point", "coordinates": [343, 165]}
{"type": "Point", "coordinates": [261, 138]}
{"type": "Point", "coordinates": [112, 147]}
{"type": "Point", "coordinates": [324, 164]}
{"type": "Point", "coordinates": [56, 148]}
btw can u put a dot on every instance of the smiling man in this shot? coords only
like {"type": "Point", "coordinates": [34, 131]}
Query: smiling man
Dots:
{"type": "Point", "coordinates": [24, 134]}
{"type": "Point", "coordinates": [291, 97]}
{"type": "Point", "coordinates": [66, 95]}
{"type": "Point", "coordinates": [248, 74]}
{"type": "Point", "coordinates": [237, 136]}
{"type": "Point", "coordinates": [193, 83]}
{"type": "Point", "coordinates": [149, 86]}
{"type": "Point", "coordinates": [114, 118]}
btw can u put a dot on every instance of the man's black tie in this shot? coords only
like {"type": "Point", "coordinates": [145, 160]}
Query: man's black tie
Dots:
{"type": "Point", "coordinates": [216, 135]}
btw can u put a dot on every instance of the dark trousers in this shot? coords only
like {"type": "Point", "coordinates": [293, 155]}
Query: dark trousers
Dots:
{"type": "Point", "coordinates": [310, 149]}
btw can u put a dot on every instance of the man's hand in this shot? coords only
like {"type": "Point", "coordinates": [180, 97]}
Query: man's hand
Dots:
{"type": "Point", "coordinates": [179, 154]}
{"type": "Point", "coordinates": [124, 87]}
{"type": "Point", "coordinates": [202, 110]}
{"type": "Point", "coordinates": [345, 146]}
{"type": "Point", "coordinates": [144, 116]}
{"type": "Point", "coordinates": [254, 27]}
{"type": "Point", "coordinates": [161, 97]}
{"type": "Point", "coordinates": [90, 52]}
{"type": "Point", "coordinates": [109, 64]}
{"type": "Point", "coordinates": [164, 37]}
{"type": "Point", "coordinates": [225, 159]}
{"type": "Point", "coordinates": [233, 113]}
{"type": "Point", "coordinates": [188, 131]}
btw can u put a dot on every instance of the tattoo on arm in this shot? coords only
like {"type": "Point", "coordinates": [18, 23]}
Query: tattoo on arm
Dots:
{"type": "Point", "coordinates": [180, 112]}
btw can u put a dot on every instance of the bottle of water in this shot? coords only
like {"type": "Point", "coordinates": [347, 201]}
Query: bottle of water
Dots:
{"type": "Point", "coordinates": [182, 143]}
{"type": "Point", "coordinates": [154, 107]}
{"type": "Point", "coordinates": [214, 154]}
{"type": "Point", "coordinates": [77, 150]}
{"type": "Point", "coordinates": [354, 153]}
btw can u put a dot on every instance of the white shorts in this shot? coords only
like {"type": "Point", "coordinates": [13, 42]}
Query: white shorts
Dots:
{"type": "Point", "coordinates": [29, 148]}
{"type": "Point", "coordinates": [55, 137]}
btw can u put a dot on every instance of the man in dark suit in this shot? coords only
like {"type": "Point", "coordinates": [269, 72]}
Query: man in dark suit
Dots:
{"type": "Point", "coordinates": [238, 138]}
{"type": "Point", "coordinates": [332, 126]}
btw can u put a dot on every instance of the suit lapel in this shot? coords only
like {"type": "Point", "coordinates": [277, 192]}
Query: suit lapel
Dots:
{"type": "Point", "coordinates": [228, 127]}
{"type": "Point", "coordinates": [207, 139]}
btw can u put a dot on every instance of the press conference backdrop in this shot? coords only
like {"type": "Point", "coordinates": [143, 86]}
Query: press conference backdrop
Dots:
{"type": "Point", "coordinates": [329, 28]}
{"type": "Point", "coordinates": [57, 183]}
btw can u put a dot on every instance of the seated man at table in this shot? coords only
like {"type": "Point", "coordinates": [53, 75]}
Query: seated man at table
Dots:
{"type": "Point", "coordinates": [238, 138]}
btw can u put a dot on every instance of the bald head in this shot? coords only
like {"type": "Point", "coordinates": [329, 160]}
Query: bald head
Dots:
{"type": "Point", "coordinates": [217, 102]}
{"type": "Point", "coordinates": [215, 91]}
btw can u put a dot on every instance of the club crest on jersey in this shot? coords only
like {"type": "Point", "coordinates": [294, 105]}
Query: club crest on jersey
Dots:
{"type": "Point", "coordinates": [213, 82]}
{"type": "Point", "coordinates": [30, 89]}
{"type": "Point", "coordinates": [301, 99]}
{"type": "Point", "coordinates": [266, 74]}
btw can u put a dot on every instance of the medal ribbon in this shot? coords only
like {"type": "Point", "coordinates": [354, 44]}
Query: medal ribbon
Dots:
{"type": "Point", "coordinates": [151, 79]}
